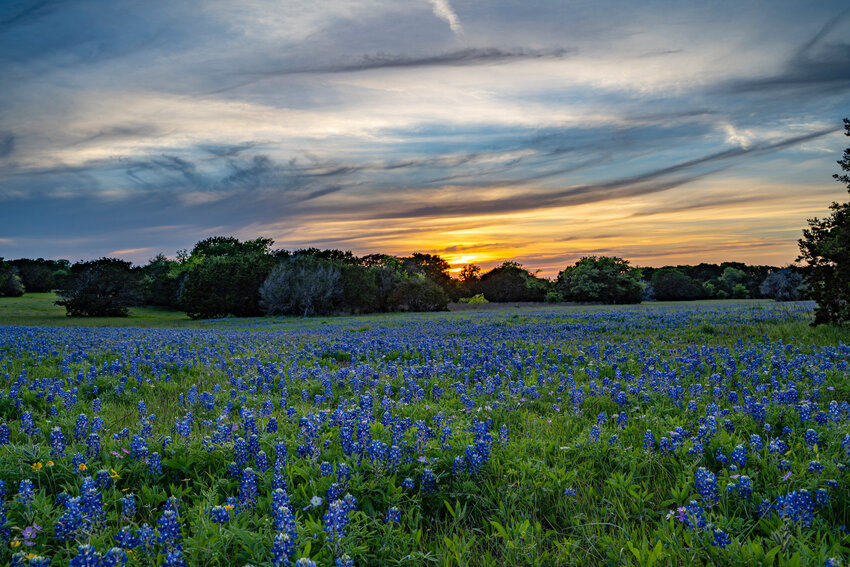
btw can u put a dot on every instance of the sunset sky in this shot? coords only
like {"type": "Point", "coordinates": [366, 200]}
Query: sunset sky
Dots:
{"type": "Point", "coordinates": [661, 132]}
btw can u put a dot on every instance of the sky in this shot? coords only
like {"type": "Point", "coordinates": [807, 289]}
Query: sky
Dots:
{"type": "Point", "coordinates": [535, 131]}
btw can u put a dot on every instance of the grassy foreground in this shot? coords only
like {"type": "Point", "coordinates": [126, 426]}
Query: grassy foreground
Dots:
{"type": "Point", "coordinates": [683, 434]}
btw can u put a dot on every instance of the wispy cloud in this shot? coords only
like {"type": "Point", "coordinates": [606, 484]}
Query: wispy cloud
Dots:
{"type": "Point", "coordinates": [443, 10]}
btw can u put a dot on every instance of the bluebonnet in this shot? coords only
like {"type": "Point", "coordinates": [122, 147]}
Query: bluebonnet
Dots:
{"type": "Point", "coordinates": [570, 492]}
{"type": "Point", "coordinates": [458, 465]}
{"type": "Point", "coordinates": [335, 520]}
{"type": "Point", "coordinates": [428, 481]}
{"type": "Point", "coordinates": [798, 506]}
{"type": "Point", "coordinates": [743, 486]}
{"type": "Point", "coordinates": [91, 501]}
{"type": "Point", "coordinates": [408, 482]}
{"type": "Point", "coordinates": [219, 514]}
{"type": "Point", "coordinates": [57, 442]}
{"type": "Point", "coordinates": [126, 539]}
{"type": "Point", "coordinates": [138, 447]}
{"type": "Point", "coordinates": [344, 561]}
{"type": "Point", "coordinates": [86, 556]}
{"type": "Point", "coordinates": [815, 467]}
{"type": "Point", "coordinates": [155, 464]}
{"type": "Point", "coordinates": [720, 539]}
{"type": "Point", "coordinates": [262, 461]}
{"type": "Point", "coordinates": [739, 455]}
{"type": "Point", "coordinates": [81, 427]}
{"type": "Point", "coordinates": [282, 549]}
{"type": "Point", "coordinates": [248, 489]}
{"type": "Point", "coordinates": [71, 521]}
{"type": "Point", "coordinates": [93, 446]}
{"type": "Point", "coordinates": [695, 516]}
{"type": "Point", "coordinates": [705, 483]}
{"type": "Point", "coordinates": [649, 441]}
{"type": "Point", "coordinates": [811, 437]}
{"type": "Point", "coordinates": [25, 493]}
{"type": "Point", "coordinates": [168, 527]}
{"type": "Point", "coordinates": [103, 479]}
{"type": "Point", "coordinates": [393, 515]}
{"type": "Point", "coordinates": [756, 443]}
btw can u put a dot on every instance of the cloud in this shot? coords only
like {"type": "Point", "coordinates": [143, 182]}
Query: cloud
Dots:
{"type": "Point", "coordinates": [817, 64]}
{"type": "Point", "coordinates": [470, 56]}
{"type": "Point", "coordinates": [443, 10]}
{"type": "Point", "coordinates": [7, 144]}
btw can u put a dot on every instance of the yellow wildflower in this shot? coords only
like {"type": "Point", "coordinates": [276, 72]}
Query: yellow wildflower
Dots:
{"type": "Point", "coordinates": [82, 466]}
{"type": "Point", "coordinates": [228, 507]}
{"type": "Point", "coordinates": [36, 466]}
{"type": "Point", "coordinates": [113, 474]}
{"type": "Point", "coordinates": [49, 463]}
{"type": "Point", "coordinates": [15, 543]}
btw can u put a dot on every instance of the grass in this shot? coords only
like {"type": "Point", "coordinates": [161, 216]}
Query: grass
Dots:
{"type": "Point", "coordinates": [39, 309]}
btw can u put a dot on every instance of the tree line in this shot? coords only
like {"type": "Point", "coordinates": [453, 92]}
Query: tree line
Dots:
{"type": "Point", "coordinates": [223, 276]}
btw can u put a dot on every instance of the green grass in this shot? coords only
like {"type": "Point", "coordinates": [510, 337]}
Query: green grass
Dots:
{"type": "Point", "coordinates": [39, 309]}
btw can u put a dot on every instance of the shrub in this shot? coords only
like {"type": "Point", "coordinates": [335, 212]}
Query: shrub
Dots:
{"type": "Point", "coordinates": [477, 299]}
{"type": "Point", "coordinates": [302, 285]}
{"type": "Point", "coordinates": [783, 285]}
{"type": "Point", "coordinates": [669, 284]}
{"type": "Point", "coordinates": [10, 281]}
{"type": "Point", "coordinates": [418, 293]}
{"type": "Point", "coordinates": [100, 288]}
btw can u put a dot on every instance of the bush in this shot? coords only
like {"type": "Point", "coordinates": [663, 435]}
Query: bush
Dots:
{"type": "Point", "coordinates": [10, 281]}
{"type": "Point", "coordinates": [477, 299]}
{"type": "Point", "coordinates": [418, 293]}
{"type": "Point", "coordinates": [512, 282]}
{"type": "Point", "coordinates": [783, 285]}
{"type": "Point", "coordinates": [100, 288]}
{"type": "Point", "coordinates": [603, 279]}
{"type": "Point", "coordinates": [669, 284]}
{"type": "Point", "coordinates": [218, 286]}
{"type": "Point", "coordinates": [302, 285]}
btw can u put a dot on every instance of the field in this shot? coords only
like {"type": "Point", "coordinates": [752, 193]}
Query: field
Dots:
{"type": "Point", "coordinates": [684, 434]}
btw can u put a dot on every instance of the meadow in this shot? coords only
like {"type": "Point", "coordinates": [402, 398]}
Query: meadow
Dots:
{"type": "Point", "coordinates": [713, 433]}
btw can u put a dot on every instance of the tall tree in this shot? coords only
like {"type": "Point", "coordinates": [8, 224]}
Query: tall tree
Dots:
{"type": "Point", "coordinates": [825, 247]}
{"type": "Point", "coordinates": [603, 279]}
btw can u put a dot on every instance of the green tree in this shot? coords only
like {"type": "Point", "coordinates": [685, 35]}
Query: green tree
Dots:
{"type": "Point", "coordinates": [161, 279]}
{"type": "Point", "coordinates": [40, 275]}
{"type": "Point", "coordinates": [223, 277]}
{"type": "Point", "coordinates": [603, 279]}
{"type": "Point", "coordinates": [10, 281]}
{"type": "Point", "coordinates": [669, 284]}
{"type": "Point", "coordinates": [825, 247]}
{"type": "Point", "coordinates": [512, 282]}
{"type": "Point", "coordinates": [417, 293]}
{"type": "Point", "coordinates": [100, 288]}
